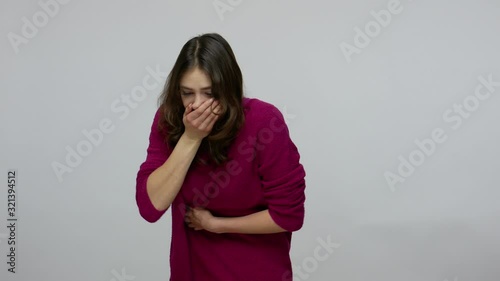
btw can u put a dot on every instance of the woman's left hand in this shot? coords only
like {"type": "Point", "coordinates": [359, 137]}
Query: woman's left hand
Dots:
{"type": "Point", "coordinates": [199, 218]}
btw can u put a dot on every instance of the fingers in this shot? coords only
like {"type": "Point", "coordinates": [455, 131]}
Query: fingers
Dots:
{"type": "Point", "coordinates": [199, 122]}
{"type": "Point", "coordinates": [202, 109]}
{"type": "Point", "coordinates": [209, 122]}
{"type": "Point", "coordinates": [191, 221]}
{"type": "Point", "coordinates": [188, 109]}
{"type": "Point", "coordinates": [187, 218]}
{"type": "Point", "coordinates": [198, 118]}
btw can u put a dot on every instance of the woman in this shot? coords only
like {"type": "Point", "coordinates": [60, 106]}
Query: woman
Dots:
{"type": "Point", "coordinates": [226, 167]}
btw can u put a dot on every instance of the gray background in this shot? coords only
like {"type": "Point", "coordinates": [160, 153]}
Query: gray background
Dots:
{"type": "Point", "coordinates": [353, 119]}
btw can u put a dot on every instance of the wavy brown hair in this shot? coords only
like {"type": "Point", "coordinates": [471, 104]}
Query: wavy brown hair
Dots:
{"type": "Point", "coordinates": [211, 53]}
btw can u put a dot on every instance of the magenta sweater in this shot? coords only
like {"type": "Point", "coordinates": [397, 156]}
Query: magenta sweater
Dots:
{"type": "Point", "coordinates": [263, 172]}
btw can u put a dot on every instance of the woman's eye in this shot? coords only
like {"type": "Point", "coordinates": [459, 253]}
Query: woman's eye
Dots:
{"type": "Point", "coordinates": [208, 94]}
{"type": "Point", "coordinates": [185, 94]}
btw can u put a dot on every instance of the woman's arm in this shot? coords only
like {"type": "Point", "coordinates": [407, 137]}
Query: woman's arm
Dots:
{"type": "Point", "coordinates": [161, 176]}
{"type": "Point", "coordinates": [165, 182]}
{"type": "Point", "coordinates": [282, 181]}
{"type": "Point", "coordinates": [256, 223]}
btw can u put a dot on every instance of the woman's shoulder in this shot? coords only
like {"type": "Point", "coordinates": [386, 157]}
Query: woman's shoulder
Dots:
{"type": "Point", "coordinates": [259, 108]}
{"type": "Point", "coordinates": [156, 119]}
{"type": "Point", "coordinates": [158, 125]}
{"type": "Point", "coordinates": [260, 114]}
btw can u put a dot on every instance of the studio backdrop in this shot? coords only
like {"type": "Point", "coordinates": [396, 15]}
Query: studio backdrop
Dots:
{"type": "Point", "coordinates": [393, 106]}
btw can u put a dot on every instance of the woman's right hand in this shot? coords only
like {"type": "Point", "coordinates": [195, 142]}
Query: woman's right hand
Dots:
{"type": "Point", "coordinates": [199, 123]}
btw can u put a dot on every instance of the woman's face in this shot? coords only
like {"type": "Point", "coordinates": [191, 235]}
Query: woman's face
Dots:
{"type": "Point", "coordinates": [195, 86]}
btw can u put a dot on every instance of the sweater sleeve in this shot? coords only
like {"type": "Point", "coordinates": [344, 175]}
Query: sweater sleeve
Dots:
{"type": "Point", "coordinates": [157, 154]}
{"type": "Point", "coordinates": [282, 175]}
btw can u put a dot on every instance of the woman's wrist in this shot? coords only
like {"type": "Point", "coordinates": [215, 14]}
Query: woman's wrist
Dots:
{"type": "Point", "coordinates": [189, 140]}
{"type": "Point", "coordinates": [216, 225]}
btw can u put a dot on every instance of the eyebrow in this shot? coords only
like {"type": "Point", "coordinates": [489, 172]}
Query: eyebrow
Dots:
{"type": "Point", "coordinates": [205, 88]}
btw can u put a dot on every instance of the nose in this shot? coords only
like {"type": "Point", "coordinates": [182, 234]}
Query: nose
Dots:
{"type": "Point", "coordinates": [198, 100]}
